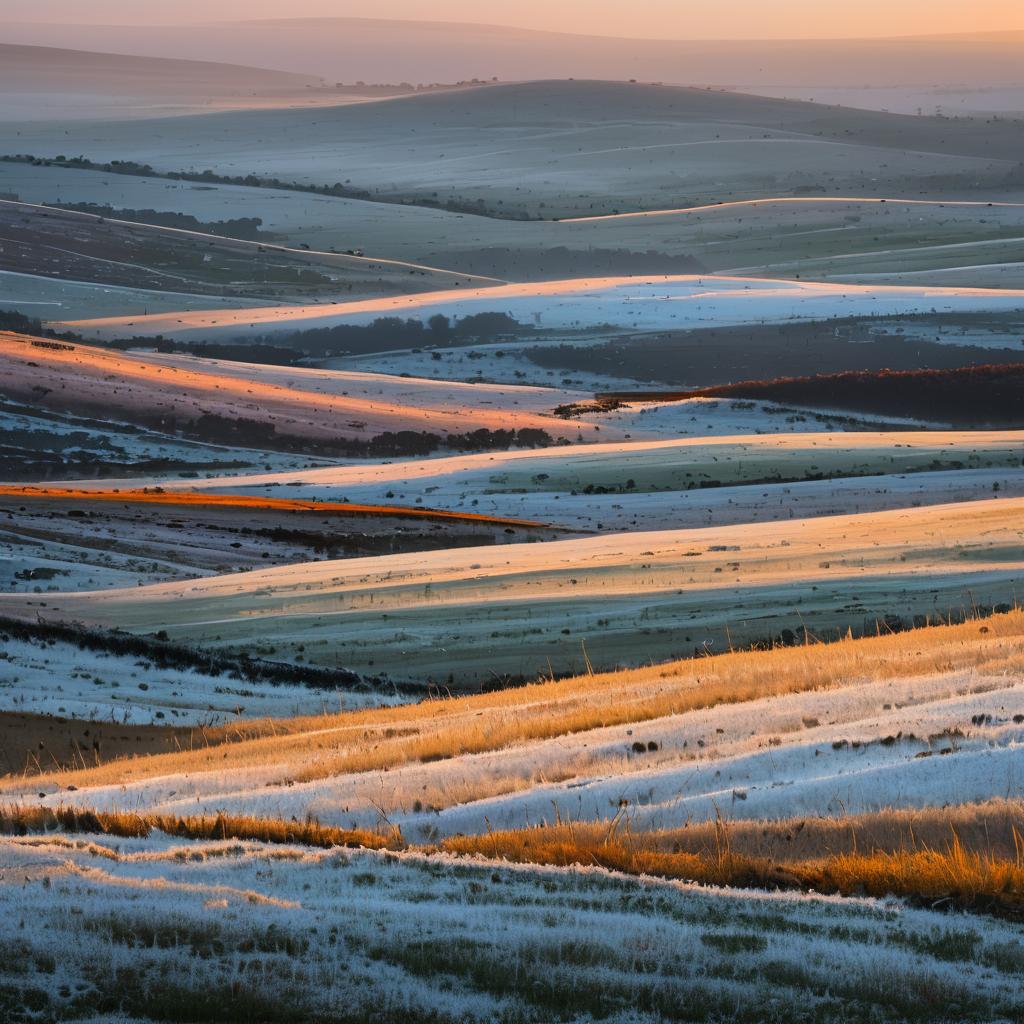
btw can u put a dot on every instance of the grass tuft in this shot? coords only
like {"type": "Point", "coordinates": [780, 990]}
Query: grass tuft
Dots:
{"type": "Point", "coordinates": [18, 819]}
{"type": "Point", "coordinates": [949, 877]}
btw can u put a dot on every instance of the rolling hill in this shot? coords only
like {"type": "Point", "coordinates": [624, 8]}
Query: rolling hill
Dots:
{"type": "Point", "coordinates": [470, 616]}
{"type": "Point", "coordinates": [423, 51]}
{"type": "Point", "coordinates": [52, 84]}
{"type": "Point", "coordinates": [590, 307]}
{"type": "Point", "coordinates": [896, 240]}
{"type": "Point", "coordinates": [263, 405]}
{"type": "Point", "coordinates": [92, 250]}
{"type": "Point", "coordinates": [558, 149]}
{"type": "Point", "coordinates": [658, 485]}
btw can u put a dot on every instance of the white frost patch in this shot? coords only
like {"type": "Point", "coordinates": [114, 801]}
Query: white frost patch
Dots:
{"type": "Point", "coordinates": [414, 938]}
{"type": "Point", "coordinates": [57, 678]}
{"type": "Point", "coordinates": [641, 303]}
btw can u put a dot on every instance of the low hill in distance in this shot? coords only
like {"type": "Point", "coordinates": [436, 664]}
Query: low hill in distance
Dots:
{"type": "Point", "coordinates": [551, 149]}
{"type": "Point", "coordinates": [153, 252]}
{"type": "Point", "coordinates": [47, 83]}
{"type": "Point", "coordinates": [377, 50]}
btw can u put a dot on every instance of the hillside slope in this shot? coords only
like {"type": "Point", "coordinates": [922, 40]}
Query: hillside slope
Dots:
{"type": "Point", "coordinates": [43, 82]}
{"type": "Point", "coordinates": [473, 615]}
{"type": "Point", "coordinates": [263, 405]}
{"type": "Point", "coordinates": [555, 148]}
{"type": "Point", "coordinates": [593, 306]}
{"type": "Point", "coordinates": [430, 51]}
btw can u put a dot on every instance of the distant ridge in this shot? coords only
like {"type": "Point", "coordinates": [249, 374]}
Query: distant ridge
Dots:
{"type": "Point", "coordinates": [375, 50]}
{"type": "Point", "coordinates": [60, 60]}
{"type": "Point", "coordinates": [44, 81]}
{"type": "Point", "coordinates": [1002, 35]}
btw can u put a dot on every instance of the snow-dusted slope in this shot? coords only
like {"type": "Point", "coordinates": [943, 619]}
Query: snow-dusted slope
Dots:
{"type": "Point", "coordinates": [61, 679]}
{"type": "Point", "coordinates": [468, 614]}
{"type": "Point", "coordinates": [667, 484]}
{"type": "Point", "coordinates": [252, 930]}
{"type": "Point", "coordinates": [641, 303]}
{"type": "Point", "coordinates": [922, 719]}
{"type": "Point", "coordinates": [318, 404]}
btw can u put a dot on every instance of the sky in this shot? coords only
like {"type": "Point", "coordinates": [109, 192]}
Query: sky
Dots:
{"type": "Point", "coordinates": [657, 19]}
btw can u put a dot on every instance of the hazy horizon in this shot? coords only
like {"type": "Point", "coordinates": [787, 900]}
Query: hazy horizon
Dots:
{"type": "Point", "coordinates": [744, 20]}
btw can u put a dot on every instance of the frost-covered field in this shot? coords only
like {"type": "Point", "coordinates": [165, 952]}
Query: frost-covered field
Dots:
{"type": "Point", "coordinates": [320, 404]}
{"type": "Point", "coordinates": [925, 720]}
{"type": "Point", "coordinates": [43, 436]}
{"type": "Point", "coordinates": [817, 237]}
{"type": "Point", "coordinates": [176, 928]}
{"type": "Point", "coordinates": [561, 148]}
{"type": "Point", "coordinates": [59, 678]}
{"type": "Point", "coordinates": [132, 929]}
{"type": "Point", "coordinates": [533, 361]}
{"type": "Point", "coordinates": [466, 615]}
{"type": "Point", "coordinates": [480, 737]}
{"type": "Point", "coordinates": [670, 484]}
{"type": "Point", "coordinates": [713, 506]}
{"type": "Point", "coordinates": [60, 299]}
{"type": "Point", "coordinates": [48, 546]}
{"type": "Point", "coordinates": [648, 303]}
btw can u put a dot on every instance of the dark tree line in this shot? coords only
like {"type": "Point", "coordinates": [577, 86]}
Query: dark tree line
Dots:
{"type": "Point", "coordinates": [216, 429]}
{"type": "Point", "coordinates": [388, 333]}
{"type": "Point", "coordinates": [247, 228]}
{"type": "Point", "coordinates": [384, 334]}
{"type": "Point", "coordinates": [12, 320]}
{"type": "Point", "coordinates": [989, 395]}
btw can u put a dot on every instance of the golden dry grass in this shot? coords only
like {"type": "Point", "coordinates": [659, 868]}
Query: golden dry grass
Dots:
{"type": "Point", "coordinates": [983, 878]}
{"type": "Point", "coordinates": [323, 746]}
{"type": "Point", "coordinates": [994, 826]}
{"type": "Point", "coordinates": [973, 874]}
{"type": "Point", "coordinates": [20, 819]}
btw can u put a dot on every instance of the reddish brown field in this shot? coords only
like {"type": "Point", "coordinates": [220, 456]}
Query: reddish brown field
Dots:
{"type": "Point", "coordinates": [245, 501]}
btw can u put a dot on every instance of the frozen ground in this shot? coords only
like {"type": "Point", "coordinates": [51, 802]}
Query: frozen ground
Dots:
{"type": "Point", "coordinates": [208, 928]}
{"type": "Point", "coordinates": [643, 304]}
{"type": "Point", "coordinates": [44, 445]}
{"type": "Point", "coordinates": [81, 253]}
{"type": "Point", "coordinates": [473, 614]}
{"type": "Point", "coordinates": [34, 566]}
{"type": "Point", "coordinates": [698, 527]}
{"type": "Point", "coordinates": [853, 745]}
{"type": "Point", "coordinates": [55, 538]}
{"type": "Point", "coordinates": [55, 299]}
{"type": "Point", "coordinates": [670, 484]}
{"type": "Point", "coordinates": [58, 678]}
{"type": "Point", "coordinates": [926, 719]}
{"type": "Point", "coordinates": [558, 148]}
{"type": "Point", "coordinates": [309, 404]}
{"type": "Point", "coordinates": [860, 233]}
{"type": "Point", "coordinates": [51, 543]}
{"type": "Point", "coordinates": [686, 364]}
{"type": "Point", "coordinates": [443, 398]}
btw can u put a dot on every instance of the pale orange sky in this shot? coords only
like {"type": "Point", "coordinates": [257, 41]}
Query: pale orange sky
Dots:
{"type": "Point", "coordinates": [681, 19]}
